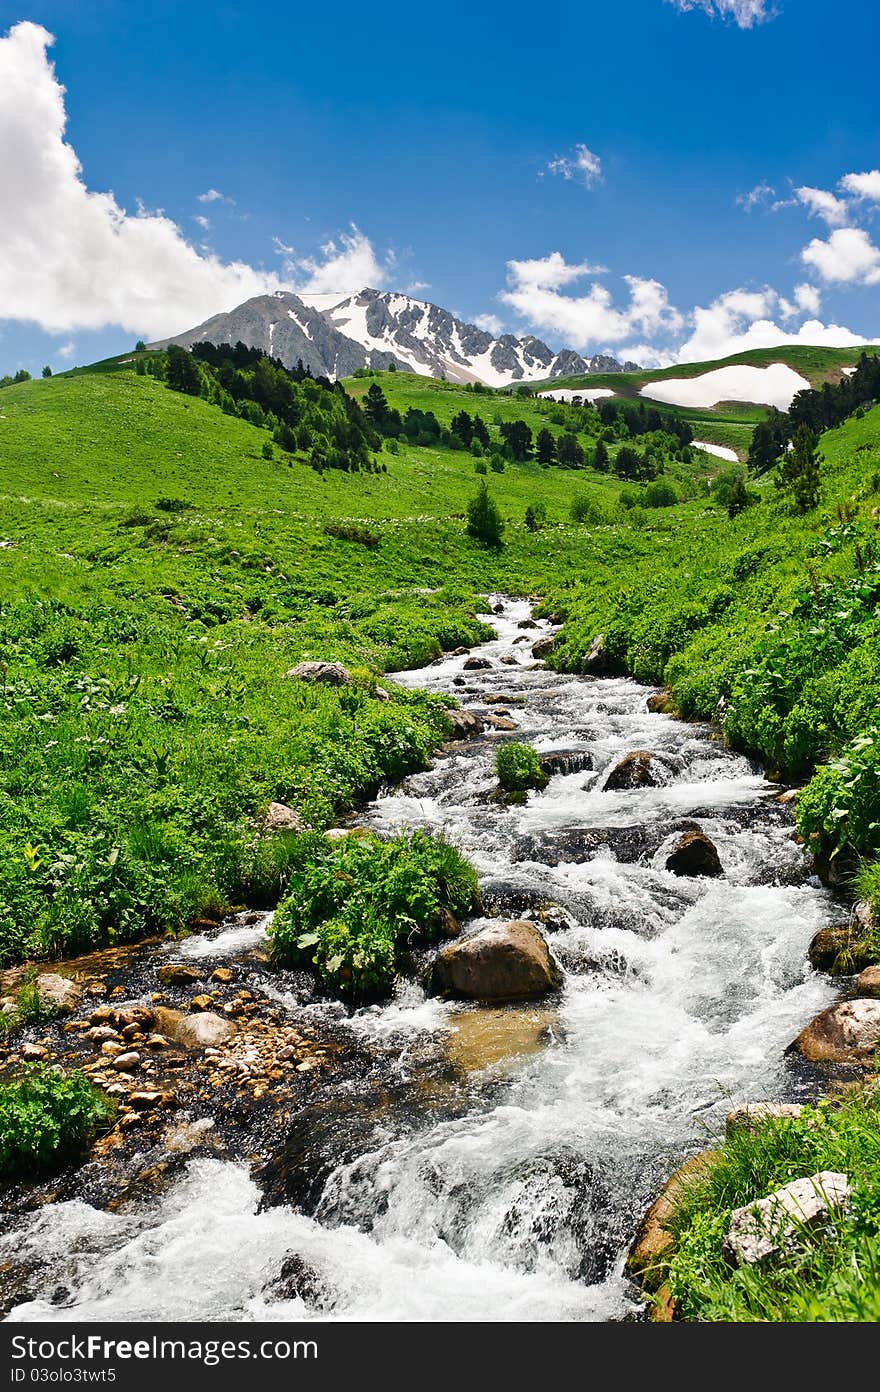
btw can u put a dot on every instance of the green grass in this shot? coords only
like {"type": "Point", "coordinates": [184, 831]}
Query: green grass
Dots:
{"type": "Point", "coordinates": [827, 1274]}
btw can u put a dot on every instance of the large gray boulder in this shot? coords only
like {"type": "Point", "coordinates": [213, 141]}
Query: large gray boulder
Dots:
{"type": "Point", "coordinates": [505, 961]}
{"type": "Point", "coordinates": [761, 1229]}
{"type": "Point", "coordinates": [597, 662]}
{"type": "Point", "coordinates": [544, 647]}
{"type": "Point", "coordinates": [847, 1033]}
{"type": "Point", "coordinates": [751, 1116]}
{"type": "Point", "coordinates": [331, 673]}
{"type": "Point", "coordinates": [203, 1030]}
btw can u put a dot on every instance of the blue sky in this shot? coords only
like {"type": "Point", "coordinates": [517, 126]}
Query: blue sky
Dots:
{"type": "Point", "coordinates": [660, 178]}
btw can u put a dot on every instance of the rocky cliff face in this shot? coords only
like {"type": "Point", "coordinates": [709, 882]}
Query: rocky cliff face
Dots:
{"type": "Point", "coordinates": [375, 328]}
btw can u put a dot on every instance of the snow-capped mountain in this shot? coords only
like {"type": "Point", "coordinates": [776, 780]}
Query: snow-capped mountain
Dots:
{"type": "Point", "coordinates": [374, 328]}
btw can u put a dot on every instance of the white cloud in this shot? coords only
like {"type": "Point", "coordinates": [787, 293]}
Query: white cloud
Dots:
{"type": "Point", "coordinates": [761, 193]}
{"type": "Point", "coordinates": [415, 286]}
{"type": "Point", "coordinates": [213, 195]}
{"type": "Point", "coordinates": [849, 256]}
{"type": "Point", "coordinates": [281, 248]}
{"type": "Point", "coordinates": [808, 298]}
{"type": "Point", "coordinates": [745, 13]}
{"type": "Point", "coordinates": [865, 185]}
{"type": "Point", "coordinates": [742, 319]}
{"type": "Point", "coordinates": [583, 166]}
{"type": "Point", "coordinates": [202, 222]}
{"type": "Point", "coordinates": [535, 292]}
{"type": "Point", "coordinates": [348, 263]}
{"type": "Point", "coordinates": [66, 351]}
{"type": "Point", "coordinates": [821, 203]}
{"type": "Point", "coordinates": [490, 323]}
{"type": "Point", "coordinates": [71, 258]}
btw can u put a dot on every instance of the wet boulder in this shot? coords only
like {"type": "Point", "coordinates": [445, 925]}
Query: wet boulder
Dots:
{"type": "Point", "coordinates": [465, 724]}
{"type": "Point", "coordinates": [527, 623]}
{"type": "Point", "coordinates": [178, 974]}
{"type": "Point", "coordinates": [566, 761]}
{"type": "Point", "coordinates": [638, 769]}
{"type": "Point", "coordinates": [661, 703]}
{"type": "Point", "coordinates": [695, 855]}
{"type": "Point", "coordinates": [331, 673]}
{"type": "Point", "coordinates": [544, 647]}
{"type": "Point", "coordinates": [839, 951]}
{"type": "Point", "coordinates": [762, 1229]}
{"type": "Point", "coordinates": [846, 1033]}
{"type": "Point", "coordinates": [200, 1031]}
{"type": "Point", "coordinates": [477, 664]}
{"type": "Point", "coordinates": [505, 961]}
{"type": "Point", "coordinates": [653, 1241]}
{"type": "Point", "coordinates": [299, 1280]}
{"type": "Point", "coordinates": [868, 983]}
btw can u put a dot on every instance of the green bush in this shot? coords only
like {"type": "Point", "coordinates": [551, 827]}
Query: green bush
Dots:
{"type": "Point", "coordinates": [350, 909]}
{"type": "Point", "coordinates": [519, 768]}
{"type": "Point", "coordinates": [46, 1119]}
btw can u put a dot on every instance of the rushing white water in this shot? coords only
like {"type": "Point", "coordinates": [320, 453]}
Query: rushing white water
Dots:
{"type": "Point", "coordinates": [680, 996]}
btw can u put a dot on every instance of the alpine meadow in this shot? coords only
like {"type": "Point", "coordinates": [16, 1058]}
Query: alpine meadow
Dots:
{"type": "Point", "coordinates": [440, 777]}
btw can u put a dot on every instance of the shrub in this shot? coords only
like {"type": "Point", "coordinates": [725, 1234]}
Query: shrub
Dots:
{"type": "Point", "coordinates": [586, 509]}
{"type": "Point", "coordinates": [172, 505]}
{"type": "Point", "coordinates": [660, 494]}
{"type": "Point", "coordinates": [519, 768]}
{"type": "Point", "coordinates": [357, 902]}
{"type": "Point", "coordinates": [349, 531]}
{"type": "Point", "coordinates": [46, 1119]}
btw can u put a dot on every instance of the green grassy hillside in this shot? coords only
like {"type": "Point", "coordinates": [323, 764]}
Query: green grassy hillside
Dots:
{"type": "Point", "coordinates": [160, 576]}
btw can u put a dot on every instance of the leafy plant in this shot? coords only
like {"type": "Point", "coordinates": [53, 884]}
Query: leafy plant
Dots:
{"type": "Point", "coordinates": [46, 1119]}
{"type": "Point", "coordinates": [352, 907]}
{"type": "Point", "coordinates": [518, 767]}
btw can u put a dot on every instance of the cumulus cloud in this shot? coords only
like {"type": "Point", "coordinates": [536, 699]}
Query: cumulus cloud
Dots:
{"type": "Point", "coordinates": [821, 203]}
{"type": "Point", "coordinates": [67, 350]}
{"type": "Point", "coordinates": [743, 319]}
{"type": "Point", "coordinates": [490, 323]}
{"type": "Point", "coordinates": [865, 185]}
{"type": "Point", "coordinates": [346, 263]}
{"type": "Point", "coordinates": [535, 292]}
{"type": "Point", "coordinates": [71, 258]}
{"type": "Point", "coordinates": [583, 166]}
{"type": "Point", "coordinates": [202, 222]}
{"type": "Point", "coordinates": [745, 13]}
{"type": "Point", "coordinates": [213, 195]}
{"type": "Point", "coordinates": [848, 257]}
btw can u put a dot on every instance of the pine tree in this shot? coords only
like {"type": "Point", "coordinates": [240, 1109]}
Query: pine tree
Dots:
{"type": "Point", "coordinates": [546, 446]}
{"type": "Point", "coordinates": [739, 498]}
{"type": "Point", "coordinates": [484, 522]}
{"type": "Point", "coordinates": [47, 371]}
{"type": "Point", "coordinates": [600, 457]}
{"type": "Point", "coordinates": [799, 470]}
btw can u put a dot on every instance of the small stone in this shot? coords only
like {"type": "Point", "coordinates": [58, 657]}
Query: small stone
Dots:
{"type": "Point", "coordinates": [101, 1033]}
{"type": "Point", "coordinates": [199, 1031]}
{"type": "Point", "coordinates": [544, 647]}
{"type": "Point", "coordinates": [132, 1031]}
{"type": "Point", "coordinates": [203, 1002]}
{"type": "Point", "coordinates": [117, 992]}
{"type": "Point", "coordinates": [143, 1101]}
{"type": "Point", "coordinates": [130, 1119]}
{"type": "Point", "coordinates": [110, 1048]}
{"type": "Point", "coordinates": [33, 1052]}
{"type": "Point", "coordinates": [157, 1041]}
{"type": "Point", "coordinates": [288, 1052]}
{"type": "Point", "coordinates": [761, 1229]}
{"type": "Point", "coordinates": [307, 1065]}
{"type": "Point", "coordinates": [128, 1062]}
{"type": "Point", "coordinates": [102, 1015]}
{"type": "Point", "coordinates": [476, 664]}
{"type": "Point", "coordinates": [223, 975]}
{"type": "Point", "coordinates": [96, 988]}
{"type": "Point", "coordinates": [789, 796]}
{"type": "Point", "coordinates": [178, 974]}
